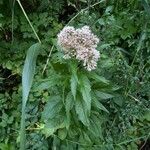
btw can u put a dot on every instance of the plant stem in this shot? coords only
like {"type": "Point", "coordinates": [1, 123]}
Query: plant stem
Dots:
{"type": "Point", "coordinates": [82, 10]}
{"type": "Point", "coordinates": [12, 20]}
{"type": "Point", "coordinates": [28, 20]}
{"type": "Point", "coordinates": [48, 59]}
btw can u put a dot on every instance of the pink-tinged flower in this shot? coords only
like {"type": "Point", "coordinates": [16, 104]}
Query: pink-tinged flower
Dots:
{"type": "Point", "coordinates": [80, 44]}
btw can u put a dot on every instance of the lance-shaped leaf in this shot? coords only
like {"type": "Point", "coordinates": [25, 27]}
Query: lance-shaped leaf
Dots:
{"type": "Point", "coordinates": [27, 79]}
{"type": "Point", "coordinates": [74, 79]}
{"type": "Point", "coordinates": [85, 89]}
{"type": "Point", "coordinates": [81, 110]}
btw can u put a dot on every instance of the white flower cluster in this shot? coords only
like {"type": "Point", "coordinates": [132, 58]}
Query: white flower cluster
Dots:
{"type": "Point", "coordinates": [80, 44]}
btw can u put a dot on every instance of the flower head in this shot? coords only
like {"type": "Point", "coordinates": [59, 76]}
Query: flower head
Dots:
{"type": "Point", "coordinates": [80, 44]}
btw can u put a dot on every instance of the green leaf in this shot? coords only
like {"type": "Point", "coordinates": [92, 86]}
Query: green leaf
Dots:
{"type": "Point", "coordinates": [85, 89]}
{"type": "Point", "coordinates": [146, 6]}
{"type": "Point", "coordinates": [99, 105]}
{"type": "Point", "coordinates": [68, 106]}
{"type": "Point", "coordinates": [84, 1]}
{"type": "Point", "coordinates": [74, 79]}
{"type": "Point", "coordinates": [69, 102]}
{"type": "Point", "coordinates": [53, 124]}
{"type": "Point", "coordinates": [62, 133]}
{"type": "Point", "coordinates": [44, 86]}
{"type": "Point", "coordinates": [101, 21]}
{"type": "Point", "coordinates": [27, 79]}
{"type": "Point", "coordinates": [98, 78]}
{"type": "Point", "coordinates": [118, 99]}
{"type": "Point", "coordinates": [74, 83]}
{"type": "Point", "coordinates": [6, 147]}
{"type": "Point", "coordinates": [95, 126]}
{"type": "Point", "coordinates": [82, 111]}
{"type": "Point", "coordinates": [85, 139]}
{"type": "Point", "coordinates": [104, 46]}
{"type": "Point", "coordinates": [103, 95]}
{"type": "Point", "coordinates": [147, 115]}
{"type": "Point", "coordinates": [52, 108]}
{"type": "Point", "coordinates": [48, 83]}
{"type": "Point", "coordinates": [29, 70]}
{"type": "Point", "coordinates": [109, 9]}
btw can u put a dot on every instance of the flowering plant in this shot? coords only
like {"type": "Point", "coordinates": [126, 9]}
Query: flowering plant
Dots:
{"type": "Point", "coordinates": [80, 44]}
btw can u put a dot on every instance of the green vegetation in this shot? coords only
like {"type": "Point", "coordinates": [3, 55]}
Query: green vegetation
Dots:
{"type": "Point", "coordinates": [47, 102]}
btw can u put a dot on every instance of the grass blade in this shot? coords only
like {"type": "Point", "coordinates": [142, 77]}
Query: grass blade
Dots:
{"type": "Point", "coordinates": [27, 79]}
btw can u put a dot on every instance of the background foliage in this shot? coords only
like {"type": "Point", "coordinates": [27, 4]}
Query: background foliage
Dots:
{"type": "Point", "coordinates": [68, 107]}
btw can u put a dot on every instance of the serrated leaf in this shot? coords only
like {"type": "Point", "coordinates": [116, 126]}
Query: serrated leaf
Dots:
{"type": "Point", "coordinates": [104, 46]}
{"type": "Point", "coordinates": [74, 83]}
{"type": "Point", "coordinates": [118, 100]}
{"type": "Point", "coordinates": [85, 89]}
{"type": "Point", "coordinates": [107, 63]}
{"type": "Point", "coordinates": [27, 79]}
{"type": "Point", "coordinates": [62, 133]}
{"type": "Point", "coordinates": [147, 115]}
{"type": "Point", "coordinates": [53, 124]}
{"type": "Point", "coordinates": [45, 85]}
{"type": "Point", "coordinates": [95, 126]}
{"type": "Point", "coordinates": [99, 105]}
{"type": "Point", "coordinates": [98, 78]}
{"type": "Point", "coordinates": [74, 79]}
{"type": "Point", "coordinates": [103, 95]}
{"type": "Point", "coordinates": [81, 110]}
{"type": "Point", "coordinates": [68, 106]}
{"type": "Point", "coordinates": [69, 102]}
{"type": "Point", "coordinates": [52, 108]}
{"type": "Point", "coordinates": [84, 138]}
